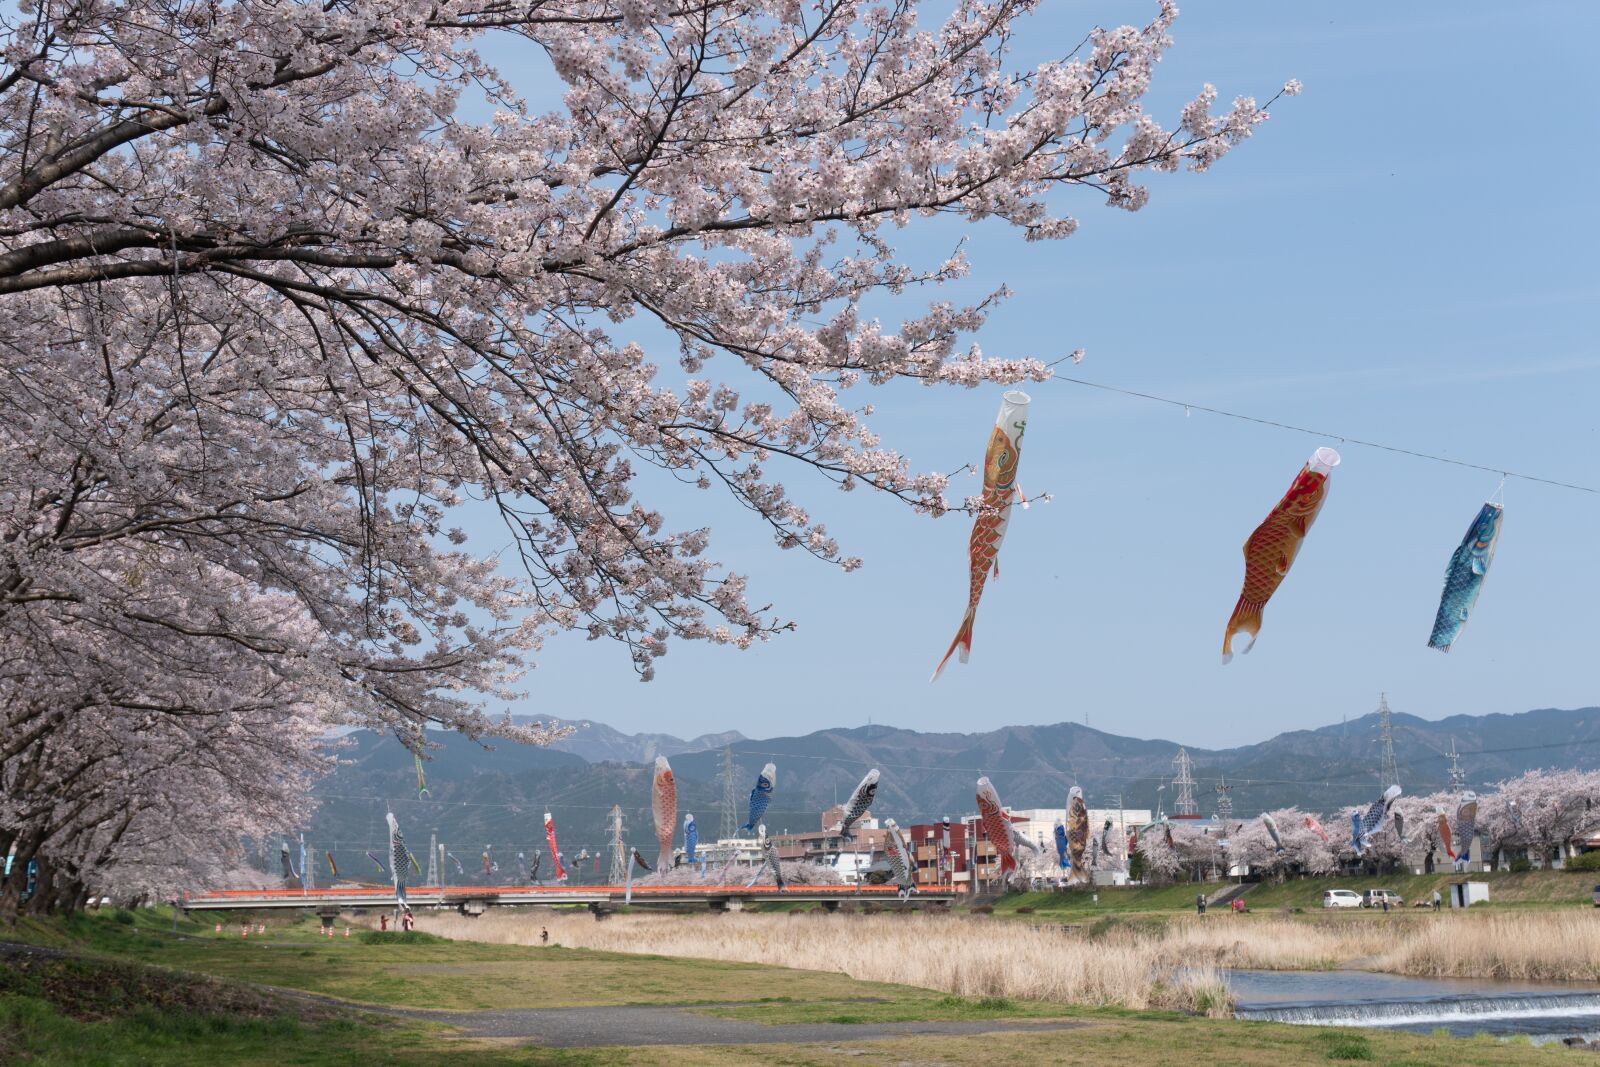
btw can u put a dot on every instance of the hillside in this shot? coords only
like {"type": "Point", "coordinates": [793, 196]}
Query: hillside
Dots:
{"type": "Point", "coordinates": [497, 795]}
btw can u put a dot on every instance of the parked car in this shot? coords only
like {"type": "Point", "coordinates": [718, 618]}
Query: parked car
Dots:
{"type": "Point", "coordinates": [1341, 898]}
{"type": "Point", "coordinates": [1375, 898]}
{"type": "Point", "coordinates": [1596, 896]}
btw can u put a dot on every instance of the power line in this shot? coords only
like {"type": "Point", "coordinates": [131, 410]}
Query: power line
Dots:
{"type": "Point", "coordinates": [1187, 405]}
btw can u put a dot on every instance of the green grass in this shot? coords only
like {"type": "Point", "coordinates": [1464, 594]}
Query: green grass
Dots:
{"type": "Point", "coordinates": [126, 1004]}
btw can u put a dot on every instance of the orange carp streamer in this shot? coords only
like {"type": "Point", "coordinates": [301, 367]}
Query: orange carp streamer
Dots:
{"type": "Point", "coordinates": [1270, 551]}
{"type": "Point", "coordinates": [664, 806]}
{"type": "Point", "coordinates": [994, 512]}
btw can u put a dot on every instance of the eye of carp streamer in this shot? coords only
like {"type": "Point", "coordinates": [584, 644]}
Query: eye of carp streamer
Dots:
{"type": "Point", "coordinates": [866, 792]}
{"type": "Point", "coordinates": [664, 806]}
{"type": "Point", "coordinates": [1463, 577]}
{"type": "Point", "coordinates": [1000, 461]}
{"type": "Point", "coordinates": [1270, 550]}
{"type": "Point", "coordinates": [555, 853]}
{"type": "Point", "coordinates": [761, 796]}
{"type": "Point", "coordinates": [996, 826]}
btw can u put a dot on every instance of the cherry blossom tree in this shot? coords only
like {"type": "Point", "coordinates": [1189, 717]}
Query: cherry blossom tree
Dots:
{"type": "Point", "coordinates": [1539, 811]}
{"type": "Point", "coordinates": [1303, 851]}
{"type": "Point", "coordinates": [277, 312]}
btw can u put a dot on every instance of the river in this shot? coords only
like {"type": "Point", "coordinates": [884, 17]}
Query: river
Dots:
{"type": "Point", "coordinates": [1544, 1011]}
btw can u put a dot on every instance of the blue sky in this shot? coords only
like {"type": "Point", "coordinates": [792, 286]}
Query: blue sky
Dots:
{"type": "Point", "coordinates": [1403, 254]}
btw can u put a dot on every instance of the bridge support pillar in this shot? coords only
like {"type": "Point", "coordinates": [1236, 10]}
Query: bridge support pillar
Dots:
{"type": "Point", "coordinates": [830, 905]}
{"type": "Point", "coordinates": [327, 918]}
{"type": "Point", "coordinates": [598, 910]}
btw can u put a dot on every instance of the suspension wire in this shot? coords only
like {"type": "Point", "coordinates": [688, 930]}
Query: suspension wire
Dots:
{"type": "Point", "coordinates": [1189, 405]}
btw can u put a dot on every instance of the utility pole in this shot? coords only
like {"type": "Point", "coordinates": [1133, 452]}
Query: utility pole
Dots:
{"type": "Point", "coordinates": [1388, 773]}
{"type": "Point", "coordinates": [1184, 783]}
{"type": "Point", "coordinates": [619, 856]}
{"type": "Point", "coordinates": [433, 858]}
{"type": "Point", "coordinates": [1458, 777]}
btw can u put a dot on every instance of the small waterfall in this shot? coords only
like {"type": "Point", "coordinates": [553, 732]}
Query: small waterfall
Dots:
{"type": "Point", "coordinates": [1440, 1010]}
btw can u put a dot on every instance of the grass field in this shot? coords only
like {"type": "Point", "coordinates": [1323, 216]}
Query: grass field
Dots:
{"type": "Point", "coordinates": [138, 996]}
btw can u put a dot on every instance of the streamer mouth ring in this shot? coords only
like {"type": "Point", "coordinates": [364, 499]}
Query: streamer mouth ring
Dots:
{"type": "Point", "coordinates": [1016, 396]}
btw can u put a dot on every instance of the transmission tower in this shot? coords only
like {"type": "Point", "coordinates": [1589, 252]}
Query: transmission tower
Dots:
{"type": "Point", "coordinates": [730, 796]}
{"type": "Point", "coordinates": [1388, 772]}
{"type": "Point", "coordinates": [1224, 803]}
{"type": "Point", "coordinates": [1184, 784]}
{"type": "Point", "coordinates": [433, 859]}
{"type": "Point", "coordinates": [1458, 777]}
{"type": "Point", "coordinates": [619, 857]}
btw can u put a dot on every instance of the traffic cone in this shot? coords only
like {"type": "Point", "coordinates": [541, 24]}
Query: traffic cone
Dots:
{"type": "Point", "coordinates": [347, 931]}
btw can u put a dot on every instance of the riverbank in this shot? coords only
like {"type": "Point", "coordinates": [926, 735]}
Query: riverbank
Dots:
{"type": "Point", "coordinates": [126, 989]}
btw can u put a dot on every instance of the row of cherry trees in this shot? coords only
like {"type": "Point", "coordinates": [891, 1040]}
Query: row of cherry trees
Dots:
{"type": "Point", "coordinates": [274, 314]}
{"type": "Point", "coordinates": [1536, 814]}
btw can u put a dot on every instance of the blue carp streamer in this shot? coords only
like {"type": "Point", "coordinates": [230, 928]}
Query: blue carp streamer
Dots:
{"type": "Point", "coordinates": [1463, 578]}
{"type": "Point", "coordinates": [760, 797]}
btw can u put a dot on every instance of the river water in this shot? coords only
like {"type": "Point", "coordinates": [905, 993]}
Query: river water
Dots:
{"type": "Point", "coordinates": [1542, 1010]}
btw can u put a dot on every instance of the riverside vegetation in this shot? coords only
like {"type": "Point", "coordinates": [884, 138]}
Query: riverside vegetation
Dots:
{"type": "Point", "coordinates": [126, 989]}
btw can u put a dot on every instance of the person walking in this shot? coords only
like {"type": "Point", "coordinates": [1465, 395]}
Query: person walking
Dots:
{"type": "Point", "coordinates": [544, 935]}
{"type": "Point", "coordinates": [1435, 900]}
{"type": "Point", "coordinates": [1200, 903]}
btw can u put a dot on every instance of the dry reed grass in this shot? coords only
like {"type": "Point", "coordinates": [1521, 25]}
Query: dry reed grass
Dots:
{"type": "Point", "coordinates": [1178, 965]}
{"type": "Point", "coordinates": [1548, 946]}
{"type": "Point", "coordinates": [951, 954]}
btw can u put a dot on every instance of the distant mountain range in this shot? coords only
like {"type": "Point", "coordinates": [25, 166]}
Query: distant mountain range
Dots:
{"type": "Point", "coordinates": [497, 795]}
{"type": "Point", "coordinates": [598, 743]}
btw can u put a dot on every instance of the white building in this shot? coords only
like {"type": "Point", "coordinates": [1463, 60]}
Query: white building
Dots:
{"type": "Point", "coordinates": [1039, 824]}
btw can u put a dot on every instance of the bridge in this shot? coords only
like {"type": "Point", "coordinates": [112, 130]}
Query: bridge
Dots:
{"type": "Point", "coordinates": [474, 900]}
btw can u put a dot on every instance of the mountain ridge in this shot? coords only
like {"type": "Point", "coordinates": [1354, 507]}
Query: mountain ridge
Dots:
{"type": "Point", "coordinates": [497, 795]}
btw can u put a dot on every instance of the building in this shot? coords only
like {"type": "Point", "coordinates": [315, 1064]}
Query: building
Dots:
{"type": "Point", "coordinates": [935, 865]}
{"type": "Point", "coordinates": [825, 847]}
{"type": "Point", "coordinates": [1039, 824]}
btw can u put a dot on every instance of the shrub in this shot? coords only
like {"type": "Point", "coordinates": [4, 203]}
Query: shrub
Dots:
{"type": "Point", "coordinates": [1521, 865]}
{"type": "Point", "coordinates": [122, 917]}
{"type": "Point", "coordinates": [1025, 910]}
{"type": "Point", "coordinates": [400, 937]}
{"type": "Point", "coordinates": [1584, 862]}
{"type": "Point", "coordinates": [1347, 1047]}
{"type": "Point", "coordinates": [983, 909]}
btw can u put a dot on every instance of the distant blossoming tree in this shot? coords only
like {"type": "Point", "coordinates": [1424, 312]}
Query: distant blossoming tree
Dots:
{"type": "Point", "coordinates": [275, 311]}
